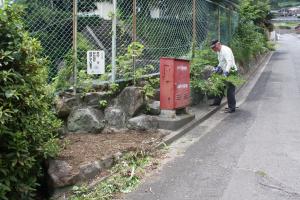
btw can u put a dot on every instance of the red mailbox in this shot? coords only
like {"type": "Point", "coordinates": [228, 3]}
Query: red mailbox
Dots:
{"type": "Point", "coordinates": [174, 83]}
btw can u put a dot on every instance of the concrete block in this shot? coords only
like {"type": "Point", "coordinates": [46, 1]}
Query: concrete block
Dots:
{"type": "Point", "coordinates": [174, 122]}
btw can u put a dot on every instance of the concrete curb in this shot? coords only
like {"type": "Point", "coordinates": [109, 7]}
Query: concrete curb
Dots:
{"type": "Point", "coordinates": [174, 135]}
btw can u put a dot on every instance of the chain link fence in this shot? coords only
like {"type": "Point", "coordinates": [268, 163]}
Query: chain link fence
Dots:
{"type": "Point", "coordinates": [165, 28]}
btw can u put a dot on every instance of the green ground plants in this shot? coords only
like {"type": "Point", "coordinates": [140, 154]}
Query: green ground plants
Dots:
{"type": "Point", "coordinates": [125, 176]}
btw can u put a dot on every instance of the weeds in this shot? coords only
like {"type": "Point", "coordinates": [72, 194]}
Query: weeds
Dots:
{"type": "Point", "coordinates": [125, 177]}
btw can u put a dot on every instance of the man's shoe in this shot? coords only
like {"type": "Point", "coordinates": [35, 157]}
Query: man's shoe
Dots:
{"type": "Point", "coordinates": [228, 108]}
{"type": "Point", "coordinates": [214, 104]}
{"type": "Point", "coordinates": [229, 111]}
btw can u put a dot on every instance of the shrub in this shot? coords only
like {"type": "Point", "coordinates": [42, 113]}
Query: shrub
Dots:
{"type": "Point", "coordinates": [202, 59]}
{"type": "Point", "coordinates": [247, 42]}
{"type": "Point", "coordinates": [139, 75]}
{"type": "Point", "coordinates": [250, 38]}
{"type": "Point", "coordinates": [27, 125]}
{"type": "Point", "coordinates": [216, 84]}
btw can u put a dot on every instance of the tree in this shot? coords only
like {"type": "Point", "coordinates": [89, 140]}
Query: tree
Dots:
{"type": "Point", "coordinates": [250, 38]}
{"type": "Point", "coordinates": [254, 10]}
{"type": "Point", "coordinates": [27, 124]}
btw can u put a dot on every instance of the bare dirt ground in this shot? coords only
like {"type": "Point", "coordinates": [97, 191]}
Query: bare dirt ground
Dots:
{"type": "Point", "coordinates": [84, 148]}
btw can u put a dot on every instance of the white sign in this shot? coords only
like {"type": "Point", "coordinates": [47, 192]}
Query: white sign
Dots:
{"type": "Point", "coordinates": [95, 62]}
{"type": "Point", "coordinates": [182, 68]}
{"type": "Point", "coordinates": [1, 3]}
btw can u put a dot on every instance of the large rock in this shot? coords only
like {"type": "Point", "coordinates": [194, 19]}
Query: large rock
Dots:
{"type": "Point", "coordinates": [64, 105]}
{"type": "Point", "coordinates": [131, 100]}
{"type": "Point", "coordinates": [60, 174]}
{"type": "Point", "coordinates": [156, 96]}
{"type": "Point", "coordinates": [90, 170]}
{"type": "Point", "coordinates": [93, 98]}
{"type": "Point", "coordinates": [154, 108]}
{"type": "Point", "coordinates": [115, 117]}
{"type": "Point", "coordinates": [143, 122]}
{"type": "Point", "coordinates": [86, 120]}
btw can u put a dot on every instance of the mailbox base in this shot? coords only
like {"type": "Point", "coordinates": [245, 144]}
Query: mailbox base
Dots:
{"type": "Point", "coordinates": [170, 121]}
{"type": "Point", "coordinates": [172, 113]}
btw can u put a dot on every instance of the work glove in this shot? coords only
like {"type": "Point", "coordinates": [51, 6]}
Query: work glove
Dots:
{"type": "Point", "coordinates": [225, 74]}
{"type": "Point", "coordinates": [217, 69]}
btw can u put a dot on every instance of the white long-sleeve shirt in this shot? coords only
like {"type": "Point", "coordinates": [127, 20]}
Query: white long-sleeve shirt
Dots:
{"type": "Point", "coordinates": [226, 59]}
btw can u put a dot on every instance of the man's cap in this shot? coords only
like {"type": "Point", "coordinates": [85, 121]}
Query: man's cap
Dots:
{"type": "Point", "coordinates": [213, 43]}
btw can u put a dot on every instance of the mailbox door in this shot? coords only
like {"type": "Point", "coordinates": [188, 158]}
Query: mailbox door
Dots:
{"type": "Point", "coordinates": [182, 83]}
{"type": "Point", "coordinates": [167, 83]}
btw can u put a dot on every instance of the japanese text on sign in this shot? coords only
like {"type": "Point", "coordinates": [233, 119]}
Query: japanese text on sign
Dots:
{"type": "Point", "coordinates": [95, 62]}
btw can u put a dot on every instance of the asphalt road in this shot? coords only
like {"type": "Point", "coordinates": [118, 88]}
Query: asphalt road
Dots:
{"type": "Point", "coordinates": [253, 154]}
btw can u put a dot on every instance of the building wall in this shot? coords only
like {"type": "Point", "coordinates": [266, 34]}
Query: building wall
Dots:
{"type": "Point", "coordinates": [104, 10]}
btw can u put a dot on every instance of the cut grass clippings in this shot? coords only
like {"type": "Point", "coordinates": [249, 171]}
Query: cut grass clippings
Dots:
{"type": "Point", "coordinates": [125, 177]}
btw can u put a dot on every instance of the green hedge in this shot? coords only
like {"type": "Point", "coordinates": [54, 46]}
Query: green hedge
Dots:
{"type": "Point", "coordinates": [27, 124]}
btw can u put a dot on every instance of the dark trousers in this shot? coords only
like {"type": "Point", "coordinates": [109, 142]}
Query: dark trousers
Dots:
{"type": "Point", "coordinates": [230, 90]}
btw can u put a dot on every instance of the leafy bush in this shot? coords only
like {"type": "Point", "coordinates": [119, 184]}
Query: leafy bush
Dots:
{"type": "Point", "coordinates": [250, 38]}
{"type": "Point", "coordinates": [216, 84]}
{"type": "Point", "coordinates": [202, 59]}
{"type": "Point", "coordinates": [125, 67]}
{"type": "Point", "coordinates": [28, 125]}
{"type": "Point", "coordinates": [247, 42]}
{"type": "Point", "coordinates": [256, 11]}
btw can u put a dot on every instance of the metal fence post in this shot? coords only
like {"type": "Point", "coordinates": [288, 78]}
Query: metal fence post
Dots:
{"type": "Point", "coordinates": [134, 37]}
{"type": "Point", "coordinates": [194, 29]}
{"type": "Point", "coordinates": [74, 45]}
{"type": "Point", "coordinates": [114, 42]}
{"type": "Point", "coordinates": [230, 25]}
{"type": "Point", "coordinates": [219, 24]}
